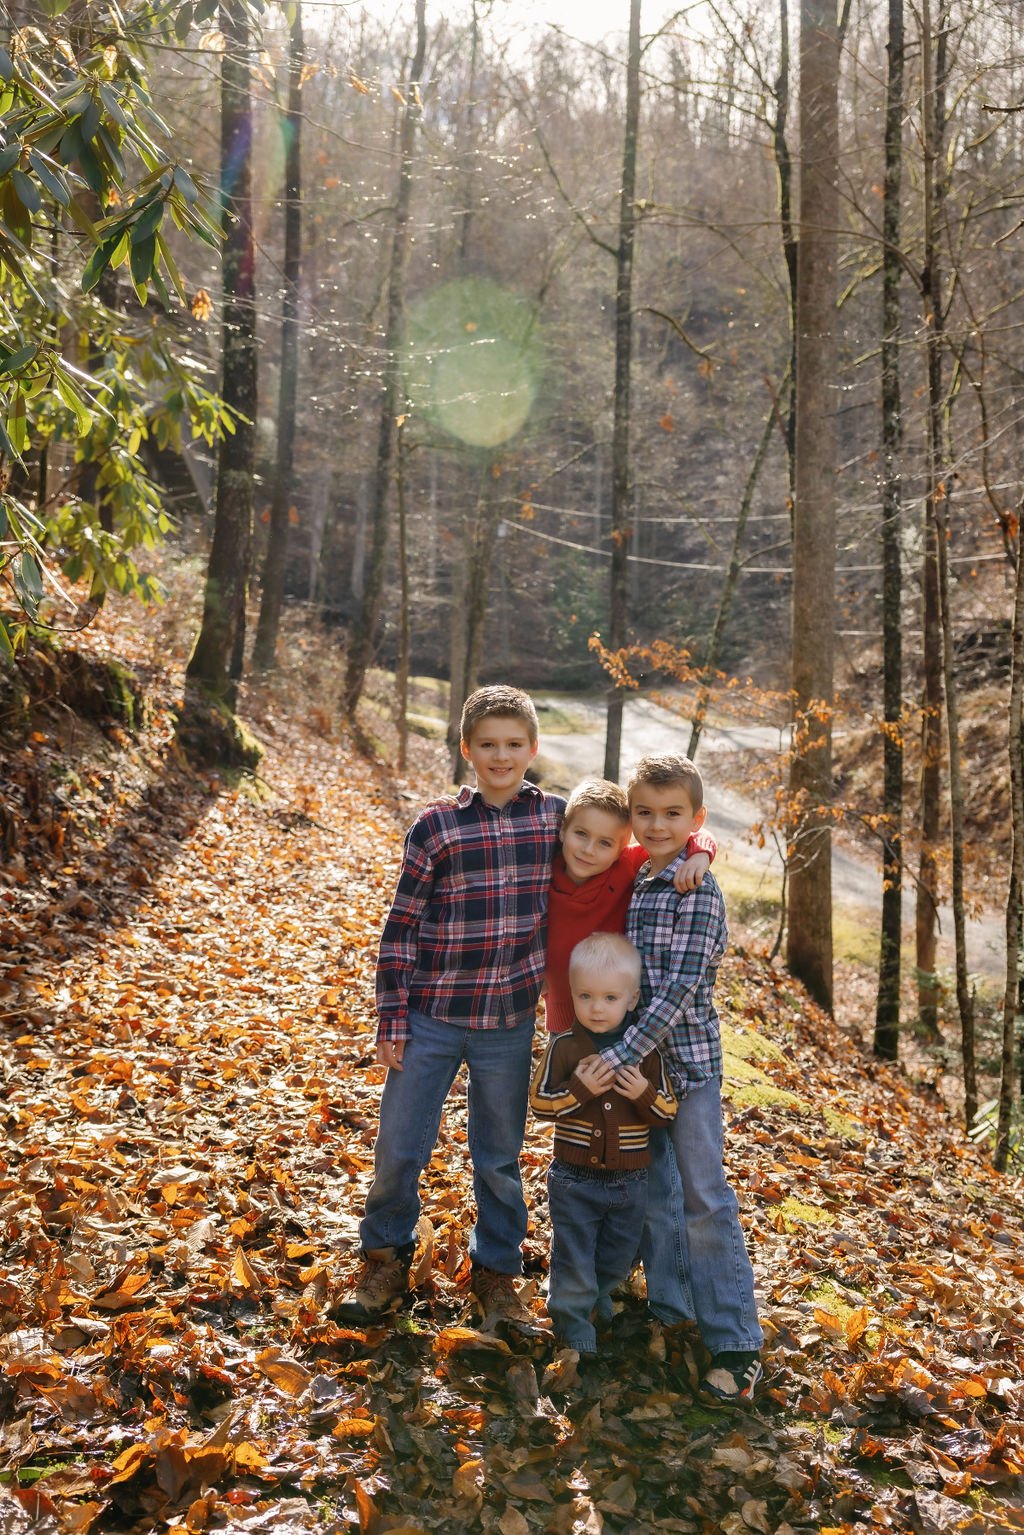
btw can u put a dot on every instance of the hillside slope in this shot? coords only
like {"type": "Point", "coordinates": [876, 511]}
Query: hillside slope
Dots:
{"type": "Point", "coordinates": [187, 1138]}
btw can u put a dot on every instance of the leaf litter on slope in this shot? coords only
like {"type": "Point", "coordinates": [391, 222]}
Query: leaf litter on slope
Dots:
{"type": "Point", "coordinates": [188, 1122]}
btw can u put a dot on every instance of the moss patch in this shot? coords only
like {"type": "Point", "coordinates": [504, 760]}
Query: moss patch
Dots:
{"type": "Point", "coordinates": [212, 736]}
{"type": "Point", "coordinates": [795, 1212]}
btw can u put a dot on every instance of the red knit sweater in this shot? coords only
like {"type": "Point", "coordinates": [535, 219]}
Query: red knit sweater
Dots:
{"type": "Point", "coordinates": [597, 905]}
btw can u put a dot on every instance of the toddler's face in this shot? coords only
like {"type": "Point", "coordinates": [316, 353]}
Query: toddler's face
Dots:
{"type": "Point", "coordinates": [602, 997]}
{"type": "Point", "coordinates": [591, 842]}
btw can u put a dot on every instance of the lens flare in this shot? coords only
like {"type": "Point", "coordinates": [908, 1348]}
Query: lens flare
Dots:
{"type": "Point", "coordinates": [473, 361]}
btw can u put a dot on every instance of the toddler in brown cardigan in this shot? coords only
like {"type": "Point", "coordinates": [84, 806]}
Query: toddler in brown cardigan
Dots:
{"type": "Point", "coordinates": [597, 1181]}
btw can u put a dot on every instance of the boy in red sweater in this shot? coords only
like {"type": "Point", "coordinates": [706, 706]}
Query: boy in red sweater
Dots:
{"type": "Point", "coordinates": [592, 881]}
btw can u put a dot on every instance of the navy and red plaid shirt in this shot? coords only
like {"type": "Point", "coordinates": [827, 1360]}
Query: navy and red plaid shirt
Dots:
{"type": "Point", "coordinates": [465, 938]}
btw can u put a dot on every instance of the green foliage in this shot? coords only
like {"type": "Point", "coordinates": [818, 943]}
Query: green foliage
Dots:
{"type": "Point", "coordinates": [82, 146]}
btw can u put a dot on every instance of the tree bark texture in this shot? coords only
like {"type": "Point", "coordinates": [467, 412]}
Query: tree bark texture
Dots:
{"type": "Point", "coordinates": [622, 518]}
{"type": "Point", "coordinates": [887, 1007]}
{"type": "Point", "coordinates": [216, 661]}
{"type": "Point", "coordinates": [784, 170]}
{"type": "Point", "coordinates": [809, 938]}
{"type": "Point", "coordinates": [1012, 1021]}
{"type": "Point", "coordinates": [365, 627]}
{"type": "Point", "coordinates": [402, 670]}
{"type": "Point", "coordinates": [942, 459]}
{"type": "Point", "coordinates": [265, 646]}
{"type": "Point", "coordinates": [933, 133]}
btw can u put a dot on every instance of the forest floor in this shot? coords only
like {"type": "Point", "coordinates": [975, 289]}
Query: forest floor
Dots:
{"type": "Point", "coordinates": [187, 1133]}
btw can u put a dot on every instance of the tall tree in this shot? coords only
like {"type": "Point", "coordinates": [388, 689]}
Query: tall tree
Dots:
{"type": "Point", "coordinates": [887, 1007]}
{"type": "Point", "coordinates": [940, 458]}
{"type": "Point", "coordinates": [933, 129]}
{"type": "Point", "coordinates": [1012, 1009]}
{"type": "Point", "coordinates": [265, 645]}
{"type": "Point", "coordinates": [365, 627]}
{"type": "Point", "coordinates": [216, 661]}
{"type": "Point", "coordinates": [809, 938]}
{"type": "Point", "coordinates": [622, 500]}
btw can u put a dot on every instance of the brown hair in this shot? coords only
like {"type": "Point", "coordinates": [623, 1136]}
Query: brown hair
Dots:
{"type": "Point", "coordinates": [598, 794]}
{"type": "Point", "coordinates": [500, 702]}
{"type": "Point", "coordinates": [662, 772]}
{"type": "Point", "coordinates": [607, 951]}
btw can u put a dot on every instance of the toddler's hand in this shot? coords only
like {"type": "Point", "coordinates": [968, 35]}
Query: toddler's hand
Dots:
{"type": "Point", "coordinates": [595, 1073]}
{"type": "Point", "coordinates": [692, 872]}
{"type": "Point", "coordinates": [630, 1082]}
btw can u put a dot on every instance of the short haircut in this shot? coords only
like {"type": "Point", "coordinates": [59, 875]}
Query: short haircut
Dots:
{"type": "Point", "coordinates": [598, 794]}
{"type": "Point", "coordinates": [499, 702]}
{"type": "Point", "coordinates": [606, 951]}
{"type": "Point", "coordinates": [663, 772]}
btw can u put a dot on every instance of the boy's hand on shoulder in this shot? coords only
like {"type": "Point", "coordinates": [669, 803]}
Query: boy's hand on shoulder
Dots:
{"type": "Point", "coordinates": [691, 873]}
{"type": "Point", "coordinates": [595, 1073]}
{"type": "Point", "coordinates": [390, 1052]}
{"type": "Point", "coordinates": [631, 1082]}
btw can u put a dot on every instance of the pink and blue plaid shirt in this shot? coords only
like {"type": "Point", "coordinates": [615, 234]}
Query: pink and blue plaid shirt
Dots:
{"type": "Point", "coordinates": [466, 935]}
{"type": "Point", "coordinates": [682, 940]}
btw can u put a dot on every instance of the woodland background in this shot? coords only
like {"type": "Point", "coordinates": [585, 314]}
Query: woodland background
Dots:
{"type": "Point", "coordinates": [383, 355]}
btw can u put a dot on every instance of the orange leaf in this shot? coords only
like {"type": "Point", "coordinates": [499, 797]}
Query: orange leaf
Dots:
{"type": "Point", "coordinates": [354, 1428]}
{"type": "Point", "coordinates": [243, 1273]}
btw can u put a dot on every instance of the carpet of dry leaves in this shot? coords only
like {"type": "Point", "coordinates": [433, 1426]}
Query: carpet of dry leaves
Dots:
{"type": "Point", "coordinates": [187, 1130]}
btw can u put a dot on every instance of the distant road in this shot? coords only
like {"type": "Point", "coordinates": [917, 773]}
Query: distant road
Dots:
{"type": "Point", "coordinates": [856, 878]}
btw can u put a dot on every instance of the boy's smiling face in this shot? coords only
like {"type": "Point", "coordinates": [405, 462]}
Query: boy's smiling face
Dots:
{"type": "Point", "coordinates": [592, 841]}
{"type": "Point", "coordinates": [663, 818]}
{"type": "Point", "coordinates": [499, 750]}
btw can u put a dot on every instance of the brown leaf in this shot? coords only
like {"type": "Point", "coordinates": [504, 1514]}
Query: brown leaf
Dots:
{"type": "Point", "coordinates": [285, 1373]}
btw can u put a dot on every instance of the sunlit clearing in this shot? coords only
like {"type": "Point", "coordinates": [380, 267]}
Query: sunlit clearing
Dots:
{"type": "Point", "coordinates": [473, 362]}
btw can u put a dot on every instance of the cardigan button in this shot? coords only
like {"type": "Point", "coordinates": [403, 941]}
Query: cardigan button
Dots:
{"type": "Point", "coordinates": [596, 1133]}
{"type": "Point", "coordinates": [595, 1160]}
{"type": "Point", "coordinates": [608, 1106]}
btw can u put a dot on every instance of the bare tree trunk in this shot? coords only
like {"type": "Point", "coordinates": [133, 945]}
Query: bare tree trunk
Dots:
{"type": "Point", "coordinates": [1012, 1020]}
{"type": "Point", "coordinates": [725, 601]}
{"type": "Point", "coordinates": [216, 661]}
{"type": "Point", "coordinates": [402, 671]}
{"type": "Point", "coordinates": [457, 661]}
{"type": "Point", "coordinates": [784, 169]}
{"type": "Point", "coordinates": [621, 500]}
{"type": "Point", "coordinates": [942, 485]}
{"type": "Point", "coordinates": [809, 939]}
{"type": "Point", "coordinates": [365, 628]}
{"type": "Point", "coordinates": [481, 552]}
{"type": "Point", "coordinates": [932, 704]}
{"type": "Point", "coordinates": [265, 645]}
{"type": "Point", "coordinates": [887, 1006]}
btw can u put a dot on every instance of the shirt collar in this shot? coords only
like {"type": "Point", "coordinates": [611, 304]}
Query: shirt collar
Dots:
{"type": "Point", "coordinates": [668, 873]}
{"type": "Point", "coordinates": [468, 793]}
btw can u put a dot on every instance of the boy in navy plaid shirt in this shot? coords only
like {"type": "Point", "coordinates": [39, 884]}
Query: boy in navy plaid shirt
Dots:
{"type": "Point", "coordinates": [682, 939]}
{"type": "Point", "coordinates": [458, 977]}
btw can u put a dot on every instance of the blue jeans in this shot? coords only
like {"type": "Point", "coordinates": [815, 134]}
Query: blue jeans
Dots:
{"type": "Point", "coordinates": [498, 1063]}
{"type": "Point", "coordinates": [698, 1266]}
{"type": "Point", "coordinates": [595, 1226]}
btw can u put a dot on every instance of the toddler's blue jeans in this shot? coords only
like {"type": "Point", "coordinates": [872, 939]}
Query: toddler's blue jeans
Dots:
{"type": "Point", "coordinates": [596, 1221]}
